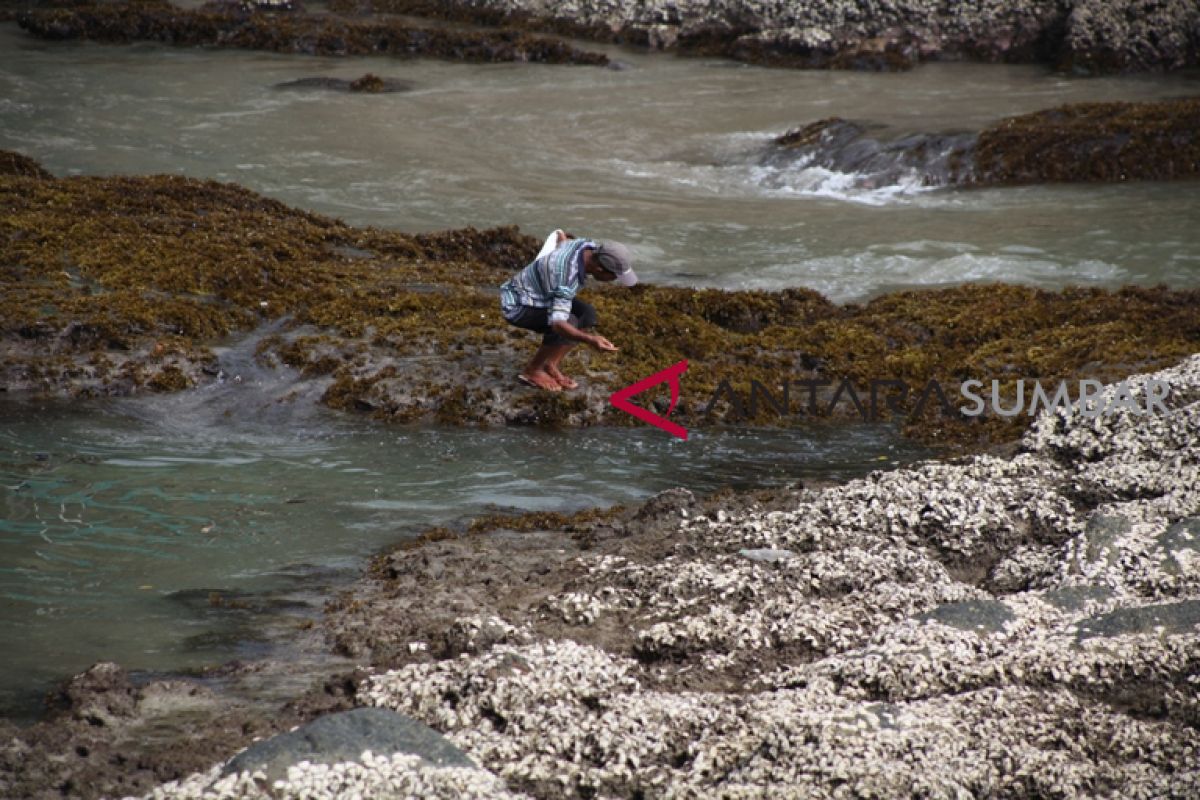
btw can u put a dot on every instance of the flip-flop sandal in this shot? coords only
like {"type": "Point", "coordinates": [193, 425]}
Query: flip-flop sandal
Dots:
{"type": "Point", "coordinates": [533, 385]}
{"type": "Point", "coordinates": [571, 384]}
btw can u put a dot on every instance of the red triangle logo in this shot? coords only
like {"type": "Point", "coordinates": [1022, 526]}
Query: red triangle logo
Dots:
{"type": "Point", "coordinates": [620, 398]}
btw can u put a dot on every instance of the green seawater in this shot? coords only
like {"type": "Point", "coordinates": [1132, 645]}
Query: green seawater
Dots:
{"type": "Point", "coordinates": [171, 533]}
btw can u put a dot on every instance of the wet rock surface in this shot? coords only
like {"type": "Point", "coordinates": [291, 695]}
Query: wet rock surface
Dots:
{"type": "Point", "coordinates": [110, 736]}
{"type": "Point", "coordinates": [1078, 143]}
{"type": "Point", "coordinates": [942, 629]}
{"type": "Point", "coordinates": [861, 152]}
{"type": "Point", "coordinates": [123, 285]}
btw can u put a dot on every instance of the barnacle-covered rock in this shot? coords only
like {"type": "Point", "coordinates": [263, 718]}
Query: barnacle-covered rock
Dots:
{"type": "Point", "coordinates": [1020, 626]}
{"type": "Point", "coordinates": [1084, 35]}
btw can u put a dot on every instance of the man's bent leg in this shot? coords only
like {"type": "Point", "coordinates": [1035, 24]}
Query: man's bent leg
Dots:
{"type": "Point", "coordinates": [535, 319]}
{"type": "Point", "coordinates": [537, 370]}
{"type": "Point", "coordinates": [583, 316]}
{"type": "Point", "coordinates": [554, 358]}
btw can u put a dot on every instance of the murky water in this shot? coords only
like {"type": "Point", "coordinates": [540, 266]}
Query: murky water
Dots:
{"type": "Point", "coordinates": [666, 155]}
{"type": "Point", "coordinates": [119, 522]}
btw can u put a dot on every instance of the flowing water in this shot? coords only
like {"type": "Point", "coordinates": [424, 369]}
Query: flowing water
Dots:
{"type": "Point", "coordinates": [124, 524]}
{"type": "Point", "coordinates": [667, 154]}
{"type": "Point", "coordinates": [168, 533]}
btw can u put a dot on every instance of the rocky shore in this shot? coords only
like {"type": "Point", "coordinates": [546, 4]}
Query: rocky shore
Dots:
{"type": "Point", "coordinates": [1085, 36]}
{"type": "Point", "coordinates": [1031, 620]}
{"type": "Point", "coordinates": [246, 26]}
{"type": "Point", "coordinates": [1079, 36]}
{"type": "Point", "coordinates": [122, 285]}
{"type": "Point", "coordinates": [1003, 626]}
{"type": "Point", "coordinates": [1078, 143]}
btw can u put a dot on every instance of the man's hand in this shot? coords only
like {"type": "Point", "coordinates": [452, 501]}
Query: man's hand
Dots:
{"type": "Point", "coordinates": [569, 331]}
{"type": "Point", "coordinates": [600, 343]}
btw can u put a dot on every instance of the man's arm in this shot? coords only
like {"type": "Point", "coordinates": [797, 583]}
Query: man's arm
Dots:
{"type": "Point", "coordinates": [566, 329]}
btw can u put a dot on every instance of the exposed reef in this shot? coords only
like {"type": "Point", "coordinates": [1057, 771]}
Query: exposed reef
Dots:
{"type": "Point", "coordinates": [1086, 36]}
{"type": "Point", "coordinates": [1004, 627]}
{"type": "Point", "coordinates": [1093, 142]}
{"type": "Point", "coordinates": [1081, 142]}
{"type": "Point", "coordinates": [121, 285]}
{"type": "Point", "coordinates": [253, 28]}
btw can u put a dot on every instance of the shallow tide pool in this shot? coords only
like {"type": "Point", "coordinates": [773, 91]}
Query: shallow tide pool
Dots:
{"type": "Point", "coordinates": [128, 529]}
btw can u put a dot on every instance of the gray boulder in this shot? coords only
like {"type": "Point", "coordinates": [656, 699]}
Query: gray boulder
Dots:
{"type": "Point", "coordinates": [1171, 618]}
{"type": "Point", "coordinates": [978, 616]}
{"type": "Point", "coordinates": [343, 737]}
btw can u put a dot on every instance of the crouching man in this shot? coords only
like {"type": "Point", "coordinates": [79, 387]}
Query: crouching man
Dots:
{"type": "Point", "coordinates": [541, 298]}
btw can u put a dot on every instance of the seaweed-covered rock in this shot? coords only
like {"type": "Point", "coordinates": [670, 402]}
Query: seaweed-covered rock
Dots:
{"type": "Point", "coordinates": [1077, 142]}
{"type": "Point", "coordinates": [119, 285]}
{"type": "Point", "coordinates": [1093, 142]}
{"type": "Point", "coordinates": [16, 164]}
{"type": "Point", "coordinates": [247, 27]}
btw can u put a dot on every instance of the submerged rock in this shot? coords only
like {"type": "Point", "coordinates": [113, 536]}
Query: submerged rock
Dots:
{"type": "Point", "coordinates": [371, 84]}
{"type": "Point", "coordinates": [856, 150]}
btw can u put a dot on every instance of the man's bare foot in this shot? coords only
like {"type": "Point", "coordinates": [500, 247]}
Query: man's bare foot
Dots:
{"type": "Point", "coordinates": [539, 379]}
{"type": "Point", "coordinates": [562, 380]}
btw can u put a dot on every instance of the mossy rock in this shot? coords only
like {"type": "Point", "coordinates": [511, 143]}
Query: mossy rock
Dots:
{"type": "Point", "coordinates": [16, 164]}
{"type": "Point", "coordinates": [1081, 142]}
{"type": "Point", "coordinates": [1089, 142]}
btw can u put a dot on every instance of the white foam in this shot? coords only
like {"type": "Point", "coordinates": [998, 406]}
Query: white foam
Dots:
{"type": "Point", "coordinates": [855, 277]}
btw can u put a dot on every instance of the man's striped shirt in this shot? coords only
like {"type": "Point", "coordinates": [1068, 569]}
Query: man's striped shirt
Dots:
{"type": "Point", "coordinates": [548, 282]}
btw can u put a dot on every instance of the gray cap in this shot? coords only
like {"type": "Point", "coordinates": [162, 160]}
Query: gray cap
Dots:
{"type": "Point", "coordinates": [616, 258]}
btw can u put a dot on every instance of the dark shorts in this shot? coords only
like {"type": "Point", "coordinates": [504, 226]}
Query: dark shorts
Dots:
{"type": "Point", "coordinates": [538, 319]}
